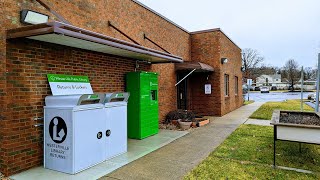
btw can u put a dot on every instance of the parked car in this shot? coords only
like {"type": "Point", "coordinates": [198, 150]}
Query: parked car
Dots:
{"type": "Point", "coordinates": [244, 91]}
{"type": "Point", "coordinates": [245, 87]}
{"type": "Point", "coordinates": [257, 88]}
{"type": "Point", "coordinates": [312, 96]}
{"type": "Point", "coordinates": [274, 88]}
{"type": "Point", "coordinates": [264, 89]}
{"type": "Point", "coordinates": [251, 88]}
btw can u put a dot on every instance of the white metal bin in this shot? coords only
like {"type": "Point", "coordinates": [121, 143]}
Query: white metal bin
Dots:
{"type": "Point", "coordinates": [116, 116]}
{"type": "Point", "coordinates": [74, 132]}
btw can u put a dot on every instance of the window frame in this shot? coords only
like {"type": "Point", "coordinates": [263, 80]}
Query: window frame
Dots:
{"type": "Point", "coordinates": [236, 85]}
{"type": "Point", "coordinates": [226, 85]}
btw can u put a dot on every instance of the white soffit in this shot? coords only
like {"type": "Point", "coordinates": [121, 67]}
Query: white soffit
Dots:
{"type": "Point", "coordinates": [92, 46]}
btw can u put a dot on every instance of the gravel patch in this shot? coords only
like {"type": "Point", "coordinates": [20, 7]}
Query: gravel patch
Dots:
{"type": "Point", "coordinates": [294, 118]}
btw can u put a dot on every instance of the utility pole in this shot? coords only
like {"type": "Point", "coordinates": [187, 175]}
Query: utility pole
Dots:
{"type": "Point", "coordinates": [318, 79]}
{"type": "Point", "coordinates": [302, 82]}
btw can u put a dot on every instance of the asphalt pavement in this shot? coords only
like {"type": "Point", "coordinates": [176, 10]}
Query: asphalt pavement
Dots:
{"type": "Point", "coordinates": [275, 96]}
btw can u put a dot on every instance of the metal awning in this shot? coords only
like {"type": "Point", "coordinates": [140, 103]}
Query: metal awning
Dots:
{"type": "Point", "coordinates": [192, 67]}
{"type": "Point", "coordinates": [198, 66]}
{"type": "Point", "coordinates": [68, 35]}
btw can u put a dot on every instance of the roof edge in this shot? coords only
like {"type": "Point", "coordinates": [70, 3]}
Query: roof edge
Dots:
{"type": "Point", "coordinates": [205, 31]}
{"type": "Point", "coordinates": [180, 27]}
{"type": "Point", "coordinates": [214, 30]}
{"type": "Point", "coordinates": [160, 15]}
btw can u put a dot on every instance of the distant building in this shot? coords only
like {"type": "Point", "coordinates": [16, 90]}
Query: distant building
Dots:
{"type": "Point", "coordinates": [308, 85]}
{"type": "Point", "coordinates": [271, 80]}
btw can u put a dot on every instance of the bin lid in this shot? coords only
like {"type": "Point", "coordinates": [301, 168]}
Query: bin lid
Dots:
{"type": "Point", "coordinates": [117, 97]}
{"type": "Point", "coordinates": [74, 100]}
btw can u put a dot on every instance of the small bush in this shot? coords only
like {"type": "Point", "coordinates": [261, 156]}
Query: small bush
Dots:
{"type": "Point", "coordinates": [179, 114]}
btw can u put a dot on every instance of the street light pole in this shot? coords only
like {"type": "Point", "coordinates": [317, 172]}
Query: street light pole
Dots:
{"type": "Point", "coordinates": [302, 82]}
{"type": "Point", "coordinates": [318, 79]}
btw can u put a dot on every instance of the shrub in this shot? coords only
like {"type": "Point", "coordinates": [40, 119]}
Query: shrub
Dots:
{"type": "Point", "coordinates": [179, 114]}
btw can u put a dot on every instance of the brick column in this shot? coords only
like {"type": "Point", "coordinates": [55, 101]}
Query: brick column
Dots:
{"type": "Point", "coordinates": [3, 95]}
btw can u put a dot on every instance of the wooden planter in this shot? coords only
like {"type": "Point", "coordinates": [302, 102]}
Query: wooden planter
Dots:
{"type": "Point", "coordinates": [295, 132]}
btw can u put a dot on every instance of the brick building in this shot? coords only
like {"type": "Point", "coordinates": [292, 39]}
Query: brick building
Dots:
{"type": "Point", "coordinates": [136, 35]}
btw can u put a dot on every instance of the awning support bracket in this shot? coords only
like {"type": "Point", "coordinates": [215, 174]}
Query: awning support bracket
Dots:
{"type": "Point", "coordinates": [145, 37]}
{"type": "Point", "coordinates": [124, 34]}
{"type": "Point", "coordinates": [53, 12]}
{"type": "Point", "coordinates": [185, 77]}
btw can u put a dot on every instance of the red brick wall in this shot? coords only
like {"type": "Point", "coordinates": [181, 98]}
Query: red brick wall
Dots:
{"type": "Point", "coordinates": [209, 48]}
{"type": "Point", "coordinates": [129, 17]}
{"type": "Point", "coordinates": [25, 63]}
{"type": "Point", "coordinates": [206, 49]}
{"type": "Point", "coordinates": [232, 68]}
{"type": "Point", "coordinates": [28, 62]}
{"type": "Point", "coordinates": [94, 15]}
{"type": "Point", "coordinates": [167, 89]}
{"type": "Point", "coordinates": [3, 92]}
{"type": "Point", "coordinates": [133, 19]}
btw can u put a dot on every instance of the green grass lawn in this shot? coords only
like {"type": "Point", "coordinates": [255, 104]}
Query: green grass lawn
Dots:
{"type": "Point", "coordinates": [248, 154]}
{"type": "Point", "coordinates": [248, 102]}
{"type": "Point", "coordinates": [266, 110]}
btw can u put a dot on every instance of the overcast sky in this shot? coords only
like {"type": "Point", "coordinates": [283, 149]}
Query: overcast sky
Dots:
{"type": "Point", "coordinates": [278, 29]}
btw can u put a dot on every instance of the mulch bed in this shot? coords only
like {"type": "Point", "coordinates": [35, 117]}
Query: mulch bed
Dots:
{"type": "Point", "coordinates": [294, 118]}
{"type": "Point", "coordinates": [169, 127]}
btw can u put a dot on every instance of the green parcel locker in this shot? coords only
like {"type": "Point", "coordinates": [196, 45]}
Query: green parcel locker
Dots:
{"type": "Point", "coordinates": [143, 108]}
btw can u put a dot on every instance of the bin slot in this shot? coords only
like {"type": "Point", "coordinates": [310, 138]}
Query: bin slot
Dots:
{"type": "Point", "coordinates": [89, 101]}
{"type": "Point", "coordinates": [117, 99]}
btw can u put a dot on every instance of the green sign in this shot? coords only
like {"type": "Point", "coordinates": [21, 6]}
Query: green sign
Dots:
{"type": "Point", "coordinates": [62, 84]}
{"type": "Point", "coordinates": [67, 78]}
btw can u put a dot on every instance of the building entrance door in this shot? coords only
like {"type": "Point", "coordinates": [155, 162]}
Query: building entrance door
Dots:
{"type": "Point", "coordinates": [182, 92]}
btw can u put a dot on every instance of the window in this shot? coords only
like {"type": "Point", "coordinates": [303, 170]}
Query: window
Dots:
{"type": "Point", "coordinates": [236, 88]}
{"type": "Point", "coordinates": [226, 85]}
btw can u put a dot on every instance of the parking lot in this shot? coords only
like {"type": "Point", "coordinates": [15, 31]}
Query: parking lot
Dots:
{"type": "Point", "coordinates": [275, 96]}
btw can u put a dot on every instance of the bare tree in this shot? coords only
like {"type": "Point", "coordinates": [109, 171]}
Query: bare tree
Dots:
{"type": "Point", "coordinates": [251, 59]}
{"type": "Point", "coordinates": [310, 73]}
{"type": "Point", "coordinates": [266, 69]}
{"type": "Point", "coordinates": [292, 72]}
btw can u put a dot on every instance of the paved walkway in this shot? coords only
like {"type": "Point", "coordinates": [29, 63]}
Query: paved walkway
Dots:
{"type": "Point", "coordinates": [260, 122]}
{"type": "Point", "coordinates": [179, 157]}
{"type": "Point", "coordinates": [311, 104]}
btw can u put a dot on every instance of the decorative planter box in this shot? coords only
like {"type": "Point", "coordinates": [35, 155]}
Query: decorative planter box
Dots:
{"type": "Point", "coordinates": [200, 122]}
{"type": "Point", "coordinates": [302, 127]}
{"type": "Point", "coordinates": [295, 132]}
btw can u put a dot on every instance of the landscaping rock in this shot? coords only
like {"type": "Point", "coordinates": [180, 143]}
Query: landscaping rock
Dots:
{"type": "Point", "coordinates": [294, 118]}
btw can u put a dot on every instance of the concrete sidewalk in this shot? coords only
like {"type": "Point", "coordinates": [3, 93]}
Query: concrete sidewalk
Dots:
{"type": "Point", "coordinates": [261, 122]}
{"type": "Point", "coordinates": [181, 156]}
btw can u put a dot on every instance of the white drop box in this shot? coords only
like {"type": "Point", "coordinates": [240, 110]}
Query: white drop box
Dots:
{"type": "Point", "coordinates": [116, 115]}
{"type": "Point", "coordinates": [74, 132]}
